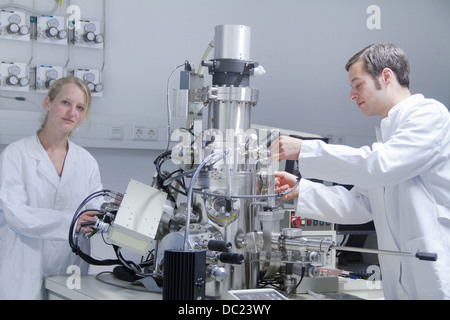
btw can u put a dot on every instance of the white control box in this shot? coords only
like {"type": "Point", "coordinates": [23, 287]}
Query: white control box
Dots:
{"type": "Point", "coordinates": [138, 218]}
{"type": "Point", "coordinates": [13, 25]}
{"type": "Point", "coordinates": [14, 76]}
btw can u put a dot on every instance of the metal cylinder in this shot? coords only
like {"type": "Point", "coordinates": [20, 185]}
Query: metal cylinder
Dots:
{"type": "Point", "coordinates": [232, 109]}
{"type": "Point", "coordinates": [232, 42]}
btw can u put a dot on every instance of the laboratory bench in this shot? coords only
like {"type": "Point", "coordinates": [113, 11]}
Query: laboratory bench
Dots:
{"type": "Point", "coordinates": [90, 288]}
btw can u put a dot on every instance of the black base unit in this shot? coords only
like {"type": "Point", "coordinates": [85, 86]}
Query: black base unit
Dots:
{"type": "Point", "coordinates": [184, 275]}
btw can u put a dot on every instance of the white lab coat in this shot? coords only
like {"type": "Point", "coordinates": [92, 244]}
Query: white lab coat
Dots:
{"type": "Point", "coordinates": [36, 209]}
{"type": "Point", "coordinates": [402, 183]}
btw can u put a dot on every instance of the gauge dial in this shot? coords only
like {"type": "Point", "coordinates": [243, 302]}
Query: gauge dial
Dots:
{"type": "Point", "coordinates": [52, 74]}
{"type": "Point", "coordinates": [89, 77]}
{"type": "Point", "coordinates": [14, 70]}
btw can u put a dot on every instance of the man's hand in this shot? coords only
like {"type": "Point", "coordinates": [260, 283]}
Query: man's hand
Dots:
{"type": "Point", "coordinates": [285, 181]}
{"type": "Point", "coordinates": [286, 148]}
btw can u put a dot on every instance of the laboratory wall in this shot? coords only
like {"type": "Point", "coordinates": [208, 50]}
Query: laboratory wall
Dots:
{"type": "Point", "coordinates": [303, 46]}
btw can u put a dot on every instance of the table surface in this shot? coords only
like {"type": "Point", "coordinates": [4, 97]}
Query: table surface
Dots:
{"type": "Point", "coordinates": [90, 288]}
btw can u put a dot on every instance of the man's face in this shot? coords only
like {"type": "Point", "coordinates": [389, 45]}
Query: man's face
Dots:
{"type": "Point", "coordinates": [367, 92]}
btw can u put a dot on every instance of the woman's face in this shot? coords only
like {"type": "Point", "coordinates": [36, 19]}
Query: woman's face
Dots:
{"type": "Point", "coordinates": [67, 110]}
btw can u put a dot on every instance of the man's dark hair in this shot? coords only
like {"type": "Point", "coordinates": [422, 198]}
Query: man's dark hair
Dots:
{"type": "Point", "coordinates": [378, 56]}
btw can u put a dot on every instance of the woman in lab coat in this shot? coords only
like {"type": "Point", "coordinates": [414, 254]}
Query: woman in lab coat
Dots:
{"type": "Point", "coordinates": [402, 183]}
{"type": "Point", "coordinates": [43, 179]}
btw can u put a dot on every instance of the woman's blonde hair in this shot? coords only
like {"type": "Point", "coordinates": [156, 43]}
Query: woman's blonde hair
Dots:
{"type": "Point", "coordinates": [56, 88]}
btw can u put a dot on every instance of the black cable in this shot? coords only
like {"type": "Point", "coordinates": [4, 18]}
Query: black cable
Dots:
{"type": "Point", "coordinates": [74, 244]}
{"type": "Point", "coordinates": [299, 282]}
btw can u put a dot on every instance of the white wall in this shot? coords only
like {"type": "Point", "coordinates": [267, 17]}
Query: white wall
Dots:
{"type": "Point", "coordinates": [303, 46]}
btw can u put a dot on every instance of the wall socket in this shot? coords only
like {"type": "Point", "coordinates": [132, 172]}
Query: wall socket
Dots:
{"type": "Point", "coordinates": [143, 133]}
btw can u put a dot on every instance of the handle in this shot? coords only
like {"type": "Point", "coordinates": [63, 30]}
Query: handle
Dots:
{"type": "Point", "coordinates": [427, 256]}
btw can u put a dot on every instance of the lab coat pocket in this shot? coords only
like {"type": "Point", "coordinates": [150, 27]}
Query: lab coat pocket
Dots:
{"type": "Point", "coordinates": [421, 279]}
{"type": "Point", "coordinates": [443, 215]}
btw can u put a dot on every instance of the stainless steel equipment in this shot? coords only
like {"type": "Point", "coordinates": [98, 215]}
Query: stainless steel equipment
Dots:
{"type": "Point", "coordinates": [230, 209]}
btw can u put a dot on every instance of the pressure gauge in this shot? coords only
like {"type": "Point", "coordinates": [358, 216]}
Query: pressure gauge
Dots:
{"type": "Point", "coordinates": [14, 70]}
{"type": "Point", "coordinates": [89, 77]}
{"type": "Point", "coordinates": [23, 30]}
{"type": "Point", "coordinates": [98, 87]}
{"type": "Point", "coordinates": [12, 80]}
{"type": "Point", "coordinates": [13, 28]}
{"type": "Point", "coordinates": [52, 74]}
{"type": "Point", "coordinates": [89, 36]}
{"type": "Point", "coordinates": [91, 86]}
{"type": "Point", "coordinates": [90, 27]}
{"type": "Point", "coordinates": [23, 82]}
{"type": "Point", "coordinates": [14, 21]}
{"type": "Point", "coordinates": [51, 32]}
{"type": "Point", "coordinates": [49, 83]}
{"type": "Point", "coordinates": [62, 34]}
{"type": "Point", "coordinates": [53, 23]}
{"type": "Point", "coordinates": [15, 18]}
{"type": "Point", "coordinates": [98, 38]}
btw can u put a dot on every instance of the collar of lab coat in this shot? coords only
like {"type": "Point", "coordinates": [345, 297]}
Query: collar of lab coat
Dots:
{"type": "Point", "coordinates": [45, 166]}
{"type": "Point", "coordinates": [386, 128]}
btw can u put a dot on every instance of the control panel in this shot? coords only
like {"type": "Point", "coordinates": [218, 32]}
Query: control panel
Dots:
{"type": "Point", "coordinates": [306, 224]}
{"type": "Point", "coordinates": [14, 76]}
{"type": "Point", "coordinates": [13, 25]}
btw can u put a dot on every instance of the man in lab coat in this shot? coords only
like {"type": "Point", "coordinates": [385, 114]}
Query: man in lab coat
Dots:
{"type": "Point", "coordinates": [402, 182]}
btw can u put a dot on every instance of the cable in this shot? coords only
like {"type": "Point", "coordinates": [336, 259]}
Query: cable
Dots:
{"type": "Point", "coordinates": [73, 242]}
{"type": "Point", "coordinates": [74, 234]}
{"type": "Point", "coordinates": [298, 283]}
{"type": "Point", "coordinates": [205, 56]}
{"type": "Point", "coordinates": [133, 266]}
{"type": "Point", "coordinates": [22, 99]}
{"type": "Point", "coordinates": [20, 7]}
{"type": "Point", "coordinates": [189, 195]}
{"type": "Point", "coordinates": [169, 115]}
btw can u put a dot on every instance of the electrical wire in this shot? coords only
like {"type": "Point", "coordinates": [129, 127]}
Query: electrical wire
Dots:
{"type": "Point", "coordinates": [24, 8]}
{"type": "Point", "coordinates": [22, 99]}
{"type": "Point", "coordinates": [74, 234]}
{"type": "Point", "coordinates": [138, 269]}
{"type": "Point", "coordinates": [298, 283]}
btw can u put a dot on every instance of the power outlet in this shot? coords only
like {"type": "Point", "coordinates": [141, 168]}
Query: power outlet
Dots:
{"type": "Point", "coordinates": [143, 133]}
{"type": "Point", "coordinates": [152, 134]}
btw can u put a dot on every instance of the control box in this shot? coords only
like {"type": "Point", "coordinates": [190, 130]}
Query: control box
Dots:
{"type": "Point", "coordinates": [137, 220]}
{"type": "Point", "coordinates": [14, 76]}
{"type": "Point", "coordinates": [13, 26]}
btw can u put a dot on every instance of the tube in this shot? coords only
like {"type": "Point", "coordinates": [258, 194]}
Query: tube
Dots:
{"type": "Point", "coordinates": [189, 195]}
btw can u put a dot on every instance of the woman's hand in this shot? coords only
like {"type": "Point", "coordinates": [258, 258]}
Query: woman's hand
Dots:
{"type": "Point", "coordinates": [88, 216]}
